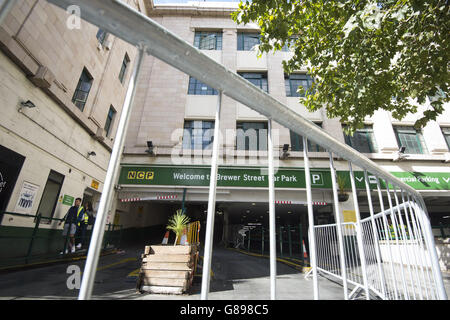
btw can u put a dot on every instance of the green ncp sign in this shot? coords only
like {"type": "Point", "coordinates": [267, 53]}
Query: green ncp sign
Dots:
{"type": "Point", "coordinates": [256, 177]}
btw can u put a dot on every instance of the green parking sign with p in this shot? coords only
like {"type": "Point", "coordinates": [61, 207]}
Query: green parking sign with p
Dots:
{"type": "Point", "coordinates": [317, 179]}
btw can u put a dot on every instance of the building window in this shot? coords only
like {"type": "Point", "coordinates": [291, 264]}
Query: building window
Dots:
{"type": "Point", "coordinates": [446, 133]}
{"type": "Point", "coordinates": [50, 195]}
{"type": "Point", "coordinates": [258, 79]}
{"type": "Point", "coordinates": [208, 40]}
{"type": "Point", "coordinates": [362, 140]}
{"type": "Point", "coordinates": [290, 44]}
{"type": "Point", "coordinates": [251, 136]}
{"type": "Point", "coordinates": [411, 139]}
{"type": "Point", "coordinates": [110, 120]}
{"type": "Point", "coordinates": [247, 41]}
{"type": "Point", "coordinates": [11, 164]}
{"type": "Point", "coordinates": [101, 36]}
{"type": "Point", "coordinates": [297, 142]}
{"type": "Point", "coordinates": [293, 81]}
{"type": "Point", "coordinates": [82, 91]}
{"type": "Point", "coordinates": [197, 87]}
{"type": "Point", "coordinates": [124, 68]}
{"type": "Point", "coordinates": [198, 135]}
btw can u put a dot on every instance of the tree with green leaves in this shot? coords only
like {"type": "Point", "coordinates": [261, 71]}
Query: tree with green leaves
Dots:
{"type": "Point", "coordinates": [363, 55]}
{"type": "Point", "coordinates": [177, 223]}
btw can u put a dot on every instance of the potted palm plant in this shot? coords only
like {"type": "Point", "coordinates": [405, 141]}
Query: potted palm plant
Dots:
{"type": "Point", "coordinates": [342, 195]}
{"type": "Point", "coordinates": [177, 223]}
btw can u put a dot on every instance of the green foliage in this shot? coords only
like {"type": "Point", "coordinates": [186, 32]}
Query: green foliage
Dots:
{"type": "Point", "coordinates": [177, 223]}
{"type": "Point", "coordinates": [363, 55]}
{"type": "Point", "coordinates": [341, 182]}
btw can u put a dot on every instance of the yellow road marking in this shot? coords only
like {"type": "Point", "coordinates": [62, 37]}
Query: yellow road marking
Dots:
{"type": "Point", "coordinates": [134, 273]}
{"type": "Point", "coordinates": [265, 256]}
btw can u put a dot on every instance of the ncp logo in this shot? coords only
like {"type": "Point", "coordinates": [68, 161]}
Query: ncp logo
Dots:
{"type": "Point", "coordinates": [141, 175]}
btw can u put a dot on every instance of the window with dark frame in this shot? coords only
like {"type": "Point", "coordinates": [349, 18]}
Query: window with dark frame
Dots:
{"type": "Point", "coordinates": [293, 81]}
{"type": "Point", "coordinates": [247, 41]}
{"type": "Point", "coordinates": [205, 40]}
{"type": "Point", "coordinates": [198, 135]}
{"type": "Point", "coordinates": [287, 46]}
{"type": "Point", "coordinates": [411, 139]}
{"type": "Point", "coordinates": [82, 91]}
{"type": "Point", "coordinates": [297, 142]}
{"type": "Point", "coordinates": [110, 120]}
{"type": "Point", "coordinates": [257, 78]}
{"type": "Point", "coordinates": [101, 36]}
{"type": "Point", "coordinates": [197, 87]}
{"type": "Point", "coordinates": [50, 195]}
{"type": "Point", "coordinates": [124, 68]}
{"type": "Point", "coordinates": [446, 133]}
{"type": "Point", "coordinates": [363, 140]}
{"type": "Point", "coordinates": [251, 136]}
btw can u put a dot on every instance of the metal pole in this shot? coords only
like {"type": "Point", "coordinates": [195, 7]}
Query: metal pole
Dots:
{"type": "Point", "coordinates": [30, 246]}
{"type": "Point", "coordinates": [387, 238]}
{"type": "Point", "coordinates": [262, 240]}
{"type": "Point", "coordinates": [183, 208]}
{"type": "Point", "coordinates": [272, 243]}
{"type": "Point", "coordinates": [338, 227]}
{"type": "Point", "coordinates": [359, 231]}
{"type": "Point", "coordinates": [289, 240]}
{"type": "Point", "coordinates": [412, 238]}
{"type": "Point", "coordinates": [394, 225]}
{"type": "Point", "coordinates": [376, 239]}
{"type": "Point", "coordinates": [404, 241]}
{"type": "Point", "coordinates": [206, 275]}
{"type": "Point", "coordinates": [108, 189]}
{"type": "Point", "coordinates": [433, 255]}
{"type": "Point", "coordinates": [281, 241]}
{"type": "Point", "coordinates": [418, 239]}
{"type": "Point", "coordinates": [300, 231]}
{"type": "Point", "coordinates": [312, 238]}
{"type": "Point", "coordinates": [5, 7]}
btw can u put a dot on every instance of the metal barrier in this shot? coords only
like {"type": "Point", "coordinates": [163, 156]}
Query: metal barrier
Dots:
{"type": "Point", "coordinates": [121, 20]}
{"type": "Point", "coordinates": [193, 233]}
{"type": "Point", "coordinates": [387, 254]}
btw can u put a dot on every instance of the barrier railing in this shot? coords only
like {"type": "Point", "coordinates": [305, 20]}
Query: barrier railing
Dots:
{"type": "Point", "coordinates": [39, 247]}
{"type": "Point", "coordinates": [193, 233]}
{"type": "Point", "coordinates": [121, 20]}
{"type": "Point", "coordinates": [396, 257]}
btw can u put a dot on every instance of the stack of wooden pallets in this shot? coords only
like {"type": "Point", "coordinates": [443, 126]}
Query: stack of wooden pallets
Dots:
{"type": "Point", "coordinates": [167, 269]}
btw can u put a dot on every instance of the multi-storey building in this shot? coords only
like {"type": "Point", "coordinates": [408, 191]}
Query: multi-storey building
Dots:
{"type": "Point", "coordinates": [166, 161]}
{"type": "Point", "coordinates": [62, 85]}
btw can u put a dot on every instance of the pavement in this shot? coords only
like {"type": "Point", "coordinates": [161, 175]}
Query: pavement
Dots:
{"type": "Point", "coordinates": [235, 276]}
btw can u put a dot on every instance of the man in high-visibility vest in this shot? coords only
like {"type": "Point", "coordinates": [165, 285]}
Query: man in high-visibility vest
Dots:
{"type": "Point", "coordinates": [71, 219]}
{"type": "Point", "coordinates": [82, 218]}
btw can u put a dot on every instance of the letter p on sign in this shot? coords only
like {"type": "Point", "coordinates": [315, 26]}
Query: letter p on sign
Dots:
{"type": "Point", "coordinates": [316, 178]}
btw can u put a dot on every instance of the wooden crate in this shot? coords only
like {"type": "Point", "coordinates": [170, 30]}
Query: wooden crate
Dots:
{"type": "Point", "coordinates": [167, 269]}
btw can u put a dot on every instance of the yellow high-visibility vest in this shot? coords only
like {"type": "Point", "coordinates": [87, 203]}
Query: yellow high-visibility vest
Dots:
{"type": "Point", "coordinates": [86, 217]}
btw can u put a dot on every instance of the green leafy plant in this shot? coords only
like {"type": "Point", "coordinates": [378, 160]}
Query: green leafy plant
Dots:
{"type": "Point", "coordinates": [177, 223]}
{"type": "Point", "coordinates": [341, 181]}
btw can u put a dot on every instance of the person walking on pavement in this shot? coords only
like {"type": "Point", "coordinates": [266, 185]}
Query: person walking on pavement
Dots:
{"type": "Point", "coordinates": [71, 219]}
{"type": "Point", "coordinates": [83, 224]}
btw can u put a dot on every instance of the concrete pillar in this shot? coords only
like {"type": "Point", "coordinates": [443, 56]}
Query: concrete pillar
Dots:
{"type": "Point", "coordinates": [434, 139]}
{"type": "Point", "coordinates": [225, 235]}
{"type": "Point", "coordinates": [384, 132]}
